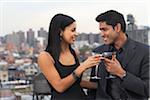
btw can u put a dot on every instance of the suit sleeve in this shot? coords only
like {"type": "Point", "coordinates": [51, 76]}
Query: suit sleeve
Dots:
{"type": "Point", "coordinates": [139, 85]}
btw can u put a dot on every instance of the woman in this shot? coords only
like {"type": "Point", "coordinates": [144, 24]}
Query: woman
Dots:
{"type": "Point", "coordinates": [59, 62]}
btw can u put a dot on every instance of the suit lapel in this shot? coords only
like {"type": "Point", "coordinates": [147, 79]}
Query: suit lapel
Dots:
{"type": "Point", "coordinates": [129, 53]}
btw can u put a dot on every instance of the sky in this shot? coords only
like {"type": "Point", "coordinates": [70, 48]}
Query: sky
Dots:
{"type": "Point", "coordinates": [16, 15]}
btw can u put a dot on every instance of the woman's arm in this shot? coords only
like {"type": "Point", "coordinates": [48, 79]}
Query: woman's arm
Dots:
{"type": "Point", "coordinates": [46, 64]}
{"type": "Point", "coordinates": [88, 84]}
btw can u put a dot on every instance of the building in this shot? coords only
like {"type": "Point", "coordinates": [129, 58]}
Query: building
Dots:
{"type": "Point", "coordinates": [140, 35]}
{"type": "Point", "coordinates": [2, 40]}
{"type": "Point", "coordinates": [137, 33]}
{"type": "Point", "coordinates": [21, 36]}
{"type": "Point", "coordinates": [31, 69]}
{"type": "Point", "coordinates": [94, 38]}
{"type": "Point", "coordinates": [3, 71]}
{"type": "Point", "coordinates": [30, 37]}
{"type": "Point", "coordinates": [91, 38]}
{"type": "Point", "coordinates": [12, 39]}
{"type": "Point", "coordinates": [16, 38]}
{"type": "Point", "coordinates": [149, 37]}
{"type": "Point", "coordinates": [43, 34]}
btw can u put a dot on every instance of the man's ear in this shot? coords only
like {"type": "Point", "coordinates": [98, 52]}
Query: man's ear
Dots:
{"type": "Point", "coordinates": [118, 27]}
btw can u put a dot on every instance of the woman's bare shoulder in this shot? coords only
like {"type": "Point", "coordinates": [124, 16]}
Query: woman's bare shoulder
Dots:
{"type": "Point", "coordinates": [45, 56]}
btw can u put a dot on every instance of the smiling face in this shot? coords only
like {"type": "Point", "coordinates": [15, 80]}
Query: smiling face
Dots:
{"type": "Point", "coordinates": [69, 34]}
{"type": "Point", "coordinates": [107, 32]}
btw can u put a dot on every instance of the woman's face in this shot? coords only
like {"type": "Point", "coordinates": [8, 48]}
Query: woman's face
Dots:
{"type": "Point", "coordinates": [69, 34]}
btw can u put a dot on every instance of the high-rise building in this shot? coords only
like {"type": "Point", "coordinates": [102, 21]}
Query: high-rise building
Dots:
{"type": "Point", "coordinates": [140, 34]}
{"type": "Point", "coordinates": [30, 37]}
{"type": "Point", "coordinates": [21, 36]}
{"type": "Point", "coordinates": [12, 41]}
{"type": "Point", "coordinates": [16, 38]}
{"type": "Point", "coordinates": [44, 34]}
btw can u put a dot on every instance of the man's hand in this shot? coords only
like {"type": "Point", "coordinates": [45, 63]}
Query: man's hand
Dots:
{"type": "Point", "coordinates": [114, 67]}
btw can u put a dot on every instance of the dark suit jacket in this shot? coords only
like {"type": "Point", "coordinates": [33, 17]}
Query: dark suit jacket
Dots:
{"type": "Point", "coordinates": [136, 64]}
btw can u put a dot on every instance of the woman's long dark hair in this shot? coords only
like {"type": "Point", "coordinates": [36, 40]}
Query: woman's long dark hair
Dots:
{"type": "Point", "coordinates": [58, 23]}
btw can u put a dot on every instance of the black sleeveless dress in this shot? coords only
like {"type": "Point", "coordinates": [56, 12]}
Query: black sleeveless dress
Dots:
{"type": "Point", "coordinates": [74, 92]}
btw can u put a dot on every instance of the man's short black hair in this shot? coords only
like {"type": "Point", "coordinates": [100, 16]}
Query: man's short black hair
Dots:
{"type": "Point", "coordinates": [112, 18]}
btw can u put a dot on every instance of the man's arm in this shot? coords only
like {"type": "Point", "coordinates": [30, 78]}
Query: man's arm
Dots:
{"type": "Point", "coordinates": [139, 85]}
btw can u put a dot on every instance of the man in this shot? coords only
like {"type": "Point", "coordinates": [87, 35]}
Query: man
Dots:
{"type": "Point", "coordinates": [130, 66]}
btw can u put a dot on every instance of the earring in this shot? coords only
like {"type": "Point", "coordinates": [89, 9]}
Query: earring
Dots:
{"type": "Point", "coordinates": [61, 36]}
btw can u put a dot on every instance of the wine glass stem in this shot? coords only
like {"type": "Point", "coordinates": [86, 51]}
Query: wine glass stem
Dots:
{"type": "Point", "coordinates": [96, 70]}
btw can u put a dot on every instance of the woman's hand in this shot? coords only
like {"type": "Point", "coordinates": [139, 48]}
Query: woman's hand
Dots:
{"type": "Point", "coordinates": [92, 61]}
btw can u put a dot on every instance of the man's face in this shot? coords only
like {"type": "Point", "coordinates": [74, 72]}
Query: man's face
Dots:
{"type": "Point", "coordinates": [107, 32]}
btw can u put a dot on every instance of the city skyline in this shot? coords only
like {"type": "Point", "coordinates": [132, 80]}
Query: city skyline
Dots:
{"type": "Point", "coordinates": [16, 15]}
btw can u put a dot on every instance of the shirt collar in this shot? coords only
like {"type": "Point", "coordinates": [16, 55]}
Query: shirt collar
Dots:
{"type": "Point", "coordinates": [124, 47]}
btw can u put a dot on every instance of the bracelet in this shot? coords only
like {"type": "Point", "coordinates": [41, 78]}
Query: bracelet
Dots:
{"type": "Point", "coordinates": [75, 76]}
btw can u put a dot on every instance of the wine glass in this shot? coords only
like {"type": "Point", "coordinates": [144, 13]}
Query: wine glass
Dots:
{"type": "Point", "coordinates": [109, 56]}
{"type": "Point", "coordinates": [96, 68]}
{"type": "Point", "coordinates": [106, 55]}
